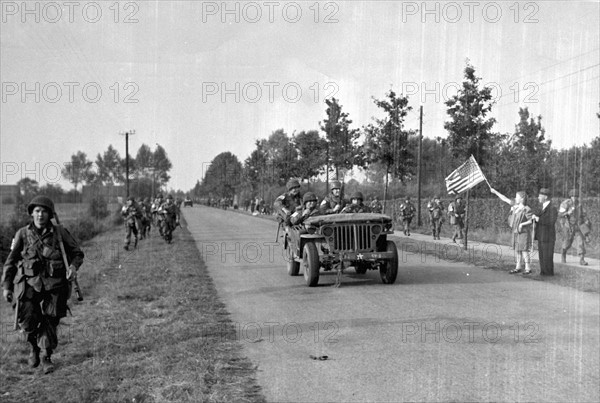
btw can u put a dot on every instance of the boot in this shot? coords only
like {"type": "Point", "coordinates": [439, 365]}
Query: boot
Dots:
{"type": "Point", "coordinates": [582, 262]}
{"type": "Point", "coordinates": [527, 269]}
{"type": "Point", "coordinates": [563, 257]}
{"type": "Point", "coordinates": [34, 357]}
{"type": "Point", "coordinates": [47, 365]}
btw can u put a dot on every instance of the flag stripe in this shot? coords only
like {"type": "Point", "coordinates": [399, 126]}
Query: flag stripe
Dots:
{"type": "Point", "coordinates": [464, 177]}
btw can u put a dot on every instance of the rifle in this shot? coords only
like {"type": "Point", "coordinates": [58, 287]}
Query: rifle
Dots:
{"type": "Point", "coordinates": [278, 228]}
{"type": "Point", "coordinates": [66, 262]}
{"type": "Point", "coordinates": [16, 324]}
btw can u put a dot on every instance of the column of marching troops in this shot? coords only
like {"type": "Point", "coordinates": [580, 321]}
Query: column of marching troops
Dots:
{"type": "Point", "coordinates": [42, 265]}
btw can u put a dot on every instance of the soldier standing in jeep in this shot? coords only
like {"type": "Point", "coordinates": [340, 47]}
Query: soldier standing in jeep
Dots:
{"type": "Point", "coordinates": [333, 203]}
{"type": "Point", "coordinates": [285, 205]}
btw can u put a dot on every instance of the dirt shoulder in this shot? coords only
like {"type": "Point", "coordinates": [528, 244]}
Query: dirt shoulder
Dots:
{"type": "Point", "coordinates": [151, 328]}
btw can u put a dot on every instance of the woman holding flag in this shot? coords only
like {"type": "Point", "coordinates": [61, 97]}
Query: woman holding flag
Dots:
{"type": "Point", "coordinates": [520, 220]}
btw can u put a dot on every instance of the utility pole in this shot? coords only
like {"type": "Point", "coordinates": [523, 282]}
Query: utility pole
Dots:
{"type": "Point", "coordinates": [419, 156]}
{"type": "Point", "coordinates": [126, 134]}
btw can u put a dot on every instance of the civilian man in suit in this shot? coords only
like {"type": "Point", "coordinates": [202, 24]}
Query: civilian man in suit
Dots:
{"type": "Point", "coordinates": [546, 232]}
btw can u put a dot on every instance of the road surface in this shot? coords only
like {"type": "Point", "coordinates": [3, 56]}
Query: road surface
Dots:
{"type": "Point", "coordinates": [443, 332]}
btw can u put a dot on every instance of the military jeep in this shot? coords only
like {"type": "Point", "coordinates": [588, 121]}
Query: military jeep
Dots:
{"type": "Point", "coordinates": [335, 241]}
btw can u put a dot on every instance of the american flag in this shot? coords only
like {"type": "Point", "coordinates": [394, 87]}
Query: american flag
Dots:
{"type": "Point", "coordinates": [464, 177]}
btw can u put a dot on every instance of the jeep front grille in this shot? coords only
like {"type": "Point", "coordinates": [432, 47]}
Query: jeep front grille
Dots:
{"type": "Point", "coordinates": [352, 238]}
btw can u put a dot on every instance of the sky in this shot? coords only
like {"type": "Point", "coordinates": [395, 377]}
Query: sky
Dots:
{"type": "Point", "coordinates": [200, 78]}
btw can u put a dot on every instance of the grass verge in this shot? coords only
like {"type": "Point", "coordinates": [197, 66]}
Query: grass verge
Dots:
{"type": "Point", "coordinates": [144, 333]}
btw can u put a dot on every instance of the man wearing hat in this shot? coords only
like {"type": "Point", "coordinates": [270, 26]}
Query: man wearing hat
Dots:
{"type": "Point", "coordinates": [376, 206]}
{"type": "Point", "coordinates": [309, 210]}
{"type": "Point", "coordinates": [171, 216]}
{"type": "Point", "coordinates": [333, 203]}
{"type": "Point", "coordinates": [456, 213]}
{"type": "Point", "coordinates": [285, 205]}
{"type": "Point", "coordinates": [36, 279]}
{"type": "Point", "coordinates": [572, 215]}
{"type": "Point", "coordinates": [436, 209]}
{"type": "Point", "coordinates": [545, 232]}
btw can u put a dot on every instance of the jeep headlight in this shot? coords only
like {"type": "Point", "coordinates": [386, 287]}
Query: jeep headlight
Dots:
{"type": "Point", "coordinates": [328, 231]}
{"type": "Point", "coordinates": [376, 229]}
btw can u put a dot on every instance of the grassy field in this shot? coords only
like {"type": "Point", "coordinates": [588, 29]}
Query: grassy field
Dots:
{"type": "Point", "coordinates": [151, 329]}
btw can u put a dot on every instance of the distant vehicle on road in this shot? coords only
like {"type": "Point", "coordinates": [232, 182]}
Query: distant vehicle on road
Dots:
{"type": "Point", "coordinates": [188, 202]}
{"type": "Point", "coordinates": [334, 240]}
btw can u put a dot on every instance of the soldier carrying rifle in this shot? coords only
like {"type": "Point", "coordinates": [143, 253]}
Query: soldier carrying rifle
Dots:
{"type": "Point", "coordinates": [575, 225]}
{"type": "Point", "coordinates": [132, 214]}
{"type": "Point", "coordinates": [37, 276]}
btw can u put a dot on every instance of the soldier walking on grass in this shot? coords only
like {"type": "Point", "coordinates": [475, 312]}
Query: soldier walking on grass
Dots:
{"type": "Point", "coordinates": [436, 209]}
{"type": "Point", "coordinates": [456, 212]}
{"type": "Point", "coordinates": [132, 215]}
{"type": "Point", "coordinates": [170, 213]}
{"type": "Point", "coordinates": [36, 280]}
{"type": "Point", "coordinates": [407, 212]}
{"type": "Point", "coordinates": [574, 223]}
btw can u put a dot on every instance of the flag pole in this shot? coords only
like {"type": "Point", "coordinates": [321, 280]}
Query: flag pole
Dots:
{"type": "Point", "coordinates": [467, 221]}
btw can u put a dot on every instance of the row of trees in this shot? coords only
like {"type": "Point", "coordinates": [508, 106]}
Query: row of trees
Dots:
{"type": "Point", "coordinates": [150, 169]}
{"type": "Point", "coordinates": [384, 149]}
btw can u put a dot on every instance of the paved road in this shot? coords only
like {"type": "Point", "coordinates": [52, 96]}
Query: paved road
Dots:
{"type": "Point", "coordinates": [444, 332]}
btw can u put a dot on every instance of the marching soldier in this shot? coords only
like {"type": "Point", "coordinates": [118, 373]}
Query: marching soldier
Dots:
{"type": "Point", "coordinates": [456, 212]}
{"type": "Point", "coordinates": [158, 200]}
{"type": "Point", "coordinates": [572, 219]}
{"type": "Point", "coordinates": [285, 205]}
{"type": "Point", "coordinates": [376, 206]}
{"type": "Point", "coordinates": [170, 218]}
{"type": "Point", "coordinates": [333, 203]}
{"type": "Point", "coordinates": [407, 212]}
{"type": "Point", "coordinates": [132, 215]}
{"type": "Point", "coordinates": [356, 205]}
{"type": "Point", "coordinates": [436, 209]}
{"type": "Point", "coordinates": [36, 279]}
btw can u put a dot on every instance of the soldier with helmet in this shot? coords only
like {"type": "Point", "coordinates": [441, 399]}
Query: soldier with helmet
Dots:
{"type": "Point", "coordinates": [36, 280]}
{"type": "Point", "coordinates": [407, 212]}
{"type": "Point", "coordinates": [573, 219]}
{"type": "Point", "coordinates": [170, 218]}
{"type": "Point", "coordinates": [132, 215]}
{"type": "Point", "coordinates": [436, 209]}
{"type": "Point", "coordinates": [285, 205]}
{"type": "Point", "coordinates": [376, 206]}
{"type": "Point", "coordinates": [158, 200]}
{"type": "Point", "coordinates": [356, 204]}
{"type": "Point", "coordinates": [308, 209]}
{"type": "Point", "coordinates": [333, 203]}
{"type": "Point", "coordinates": [456, 213]}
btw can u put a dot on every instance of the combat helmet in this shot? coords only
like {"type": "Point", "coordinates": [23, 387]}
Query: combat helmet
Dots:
{"type": "Point", "coordinates": [292, 183]}
{"type": "Point", "coordinates": [357, 195]}
{"type": "Point", "coordinates": [309, 196]}
{"type": "Point", "coordinates": [573, 193]}
{"type": "Point", "coordinates": [170, 197]}
{"type": "Point", "coordinates": [336, 185]}
{"type": "Point", "coordinates": [43, 201]}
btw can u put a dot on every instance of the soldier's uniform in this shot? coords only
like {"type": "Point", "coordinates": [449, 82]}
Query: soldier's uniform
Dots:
{"type": "Point", "coordinates": [285, 205]}
{"type": "Point", "coordinates": [305, 211]}
{"type": "Point", "coordinates": [35, 272]}
{"type": "Point", "coordinates": [572, 215]}
{"type": "Point", "coordinates": [376, 206]}
{"type": "Point", "coordinates": [333, 203]}
{"type": "Point", "coordinates": [154, 212]}
{"type": "Point", "coordinates": [357, 205]}
{"type": "Point", "coordinates": [407, 212]}
{"type": "Point", "coordinates": [170, 218]}
{"type": "Point", "coordinates": [132, 215]}
{"type": "Point", "coordinates": [436, 216]}
{"type": "Point", "coordinates": [456, 212]}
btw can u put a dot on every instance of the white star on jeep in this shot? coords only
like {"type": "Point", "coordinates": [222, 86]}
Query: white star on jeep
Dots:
{"type": "Point", "coordinates": [359, 256]}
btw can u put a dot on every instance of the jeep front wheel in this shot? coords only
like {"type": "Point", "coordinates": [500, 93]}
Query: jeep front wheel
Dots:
{"type": "Point", "coordinates": [389, 270]}
{"type": "Point", "coordinates": [311, 264]}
